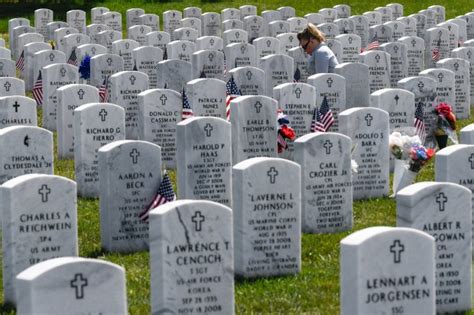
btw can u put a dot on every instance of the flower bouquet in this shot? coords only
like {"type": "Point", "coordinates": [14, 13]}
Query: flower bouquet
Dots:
{"type": "Point", "coordinates": [285, 132]}
{"type": "Point", "coordinates": [410, 156]}
{"type": "Point", "coordinates": [445, 125]}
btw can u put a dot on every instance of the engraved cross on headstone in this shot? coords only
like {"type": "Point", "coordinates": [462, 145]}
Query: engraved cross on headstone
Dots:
{"type": "Point", "coordinates": [132, 79]}
{"type": "Point", "coordinates": [81, 93]}
{"type": "Point", "coordinates": [109, 62]}
{"type": "Point", "coordinates": [211, 57]}
{"type": "Point", "coordinates": [397, 249]}
{"type": "Point", "coordinates": [79, 283]}
{"type": "Point", "coordinates": [208, 129]}
{"type": "Point", "coordinates": [350, 40]}
{"type": "Point", "coordinates": [440, 77]}
{"type": "Point", "coordinates": [16, 105]}
{"type": "Point", "coordinates": [237, 35]}
{"type": "Point", "coordinates": [134, 155]}
{"type": "Point", "coordinates": [243, 49]}
{"type": "Point", "coordinates": [368, 118]}
{"type": "Point", "coordinates": [469, 54]}
{"type": "Point", "coordinates": [63, 72]}
{"type": "Point", "coordinates": [395, 48]}
{"type": "Point", "coordinates": [441, 199]}
{"type": "Point", "coordinates": [471, 159]}
{"type": "Point", "coordinates": [413, 43]}
{"type": "Point", "coordinates": [258, 106]}
{"type": "Point", "coordinates": [7, 86]}
{"type": "Point", "coordinates": [163, 99]}
{"type": "Point", "coordinates": [396, 98]}
{"type": "Point", "coordinates": [421, 85]}
{"type": "Point", "coordinates": [377, 58]}
{"type": "Point", "coordinates": [93, 50]}
{"type": "Point", "coordinates": [44, 191]}
{"type": "Point", "coordinates": [249, 75]}
{"type": "Point", "coordinates": [198, 219]}
{"type": "Point", "coordinates": [329, 81]}
{"type": "Point", "coordinates": [456, 66]}
{"type": "Point", "coordinates": [298, 92]}
{"type": "Point", "coordinates": [272, 174]}
{"type": "Point", "coordinates": [328, 145]}
{"type": "Point", "coordinates": [51, 57]}
{"type": "Point", "coordinates": [102, 114]}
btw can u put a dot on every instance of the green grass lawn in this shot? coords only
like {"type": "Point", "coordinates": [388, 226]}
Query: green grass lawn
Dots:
{"type": "Point", "coordinates": [313, 291]}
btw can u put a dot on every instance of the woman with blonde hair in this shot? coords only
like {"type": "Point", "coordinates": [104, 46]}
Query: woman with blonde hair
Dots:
{"type": "Point", "coordinates": [322, 59]}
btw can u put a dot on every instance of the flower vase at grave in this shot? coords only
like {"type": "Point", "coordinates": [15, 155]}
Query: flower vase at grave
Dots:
{"type": "Point", "coordinates": [402, 176]}
{"type": "Point", "coordinates": [442, 141]}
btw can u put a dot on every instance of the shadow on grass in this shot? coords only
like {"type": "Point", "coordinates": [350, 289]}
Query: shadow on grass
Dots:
{"type": "Point", "coordinates": [97, 253]}
{"type": "Point", "coordinates": [7, 308]}
{"type": "Point", "coordinates": [243, 280]}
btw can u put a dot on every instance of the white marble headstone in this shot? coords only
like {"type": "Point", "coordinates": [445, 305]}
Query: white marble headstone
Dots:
{"type": "Point", "coordinates": [254, 127]}
{"type": "Point", "coordinates": [191, 281]}
{"type": "Point", "coordinates": [70, 97]}
{"type": "Point", "coordinates": [17, 110]}
{"type": "Point", "coordinates": [444, 211]}
{"type": "Point", "coordinates": [95, 125]}
{"type": "Point", "coordinates": [39, 222]}
{"type": "Point", "coordinates": [369, 130]}
{"type": "Point", "coordinates": [205, 159]}
{"type": "Point", "coordinates": [326, 182]}
{"type": "Point", "coordinates": [380, 266]}
{"type": "Point", "coordinates": [267, 217]}
{"type": "Point", "coordinates": [60, 285]}
{"type": "Point", "coordinates": [129, 177]}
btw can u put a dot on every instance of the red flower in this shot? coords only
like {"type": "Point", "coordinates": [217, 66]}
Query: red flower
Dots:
{"type": "Point", "coordinates": [446, 110]}
{"type": "Point", "coordinates": [287, 132]}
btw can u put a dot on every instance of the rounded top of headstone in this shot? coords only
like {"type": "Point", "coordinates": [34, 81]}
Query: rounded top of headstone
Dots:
{"type": "Point", "coordinates": [453, 148]}
{"type": "Point", "coordinates": [40, 268]}
{"type": "Point", "coordinates": [260, 160]}
{"type": "Point", "coordinates": [350, 111]}
{"type": "Point", "coordinates": [163, 209]}
{"type": "Point", "coordinates": [361, 236]}
{"type": "Point", "coordinates": [158, 91]}
{"type": "Point", "coordinates": [412, 194]}
{"type": "Point", "coordinates": [6, 130]}
{"type": "Point", "coordinates": [19, 180]}
{"type": "Point", "coordinates": [115, 144]}
{"type": "Point", "coordinates": [85, 107]}
{"type": "Point", "coordinates": [392, 90]}
{"type": "Point", "coordinates": [205, 81]}
{"type": "Point", "coordinates": [314, 136]}
{"type": "Point", "coordinates": [78, 86]}
{"type": "Point", "coordinates": [468, 128]}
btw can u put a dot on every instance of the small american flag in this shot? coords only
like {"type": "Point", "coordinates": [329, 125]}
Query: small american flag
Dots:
{"type": "Point", "coordinates": [20, 63]}
{"type": "Point", "coordinates": [435, 55]}
{"type": "Point", "coordinates": [281, 141]}
{"type": "Point", "coordinates": [103, 91]}
{"type": "Point", "coordinates": [38, 90]}
{"type": "Point", "coordinates": [419, 123]}
{"type": "Point", "coordinates": [164, 194]}
{"type": "Point", "coordinates": [232, 91]}
{"type": "Point", "coordinates": [322, 118]}
{"type": "Point", "coordinates": [297, 75]}
{"type": "Point", "coordinates": [187, 111]}
{"type": "Point", "coordinates": [72, 58]}
{"type": "Point", "coordinates": [374, 43]}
